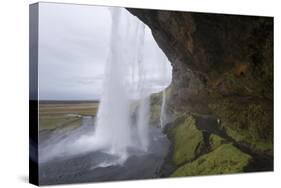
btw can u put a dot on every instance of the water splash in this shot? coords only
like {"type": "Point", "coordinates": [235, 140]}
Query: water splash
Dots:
{"type": "Point", "coordinates": [143, 123]}
{"type": "Point", "coordinates": [114, 116]}
{"type": "Point", "coordinates": [126, 91]}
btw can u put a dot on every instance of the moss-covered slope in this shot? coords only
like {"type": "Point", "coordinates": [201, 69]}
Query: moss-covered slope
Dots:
{"type": "Point", "coordinates": [201, 146]}
{"type": "Point", "coordinates": [223, 160]}
{"type": "Point", "coordinates": [187, 141]}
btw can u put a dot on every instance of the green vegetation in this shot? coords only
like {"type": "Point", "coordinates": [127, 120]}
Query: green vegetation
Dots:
{"type": "Point", "coordinates": [187, 141]}
{"type": "Point", "coordinates": [156, 103]}
{"type": "Point", "coordinates": [245, 137]}
{"type": "Point", "coordinates": [225, 159]}
{"type": "Point", "coordinates": [64, 115]}
{"type": "Point", "coordinates": [215, 141]}
{"type": "Point", "coordinates": [53, 122]}
{"type": "Point", "coordinates": [155, 111]}
{"type": "Point", "coordinates": [250, 123]}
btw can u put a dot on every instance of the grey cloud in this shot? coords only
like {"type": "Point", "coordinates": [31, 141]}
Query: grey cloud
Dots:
{"type": "Point", "coordinates": [73, 48]}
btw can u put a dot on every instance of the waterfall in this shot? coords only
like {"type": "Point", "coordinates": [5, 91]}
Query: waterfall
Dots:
{"type": "Point", "coordinates": [144, 98]}
{"type": "Point", "coordinates": [122, 85]}
{"type": "Point", "coordinates": [135, 68]}
{"type": "Point", "coordinates": [163, 110]}
{"type": "Point", "coordinates": [143, 123]}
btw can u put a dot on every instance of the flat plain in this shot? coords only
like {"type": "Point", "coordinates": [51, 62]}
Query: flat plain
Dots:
{"type": "Point", "coordinates": [59, 114]}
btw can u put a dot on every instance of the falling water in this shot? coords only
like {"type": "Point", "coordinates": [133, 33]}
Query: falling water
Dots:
{"type": "Point", "coordinates": [135, 68]}
{"type": "Point", "coordinates": [144, 102]}
{"type": "Point", "coordinates": [163, 110]}
{"type": "Point", "coordinates": [143, 123]}
{"type": "Point", "coordinates": [114, 123]}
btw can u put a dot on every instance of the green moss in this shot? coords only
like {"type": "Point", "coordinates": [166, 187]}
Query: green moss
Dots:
{"type": "Point", "coordinates": [250, 122]}
{"type": "Point", "coordinates": [244, 136]}
{"type": "Point", "coordinates": [187, 141]}
{"type": "Point", "coordinates": [215, 141]}
{"type": "Point", "coordinates": [155, 107]}
{"type": "Point", "coordinates": [155, 113]}
{"type": "Point", "coordinates": [225, 159]}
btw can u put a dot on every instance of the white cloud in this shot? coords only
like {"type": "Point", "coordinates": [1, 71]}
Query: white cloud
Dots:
{"type": "Point", "coordinates": [73, 48]}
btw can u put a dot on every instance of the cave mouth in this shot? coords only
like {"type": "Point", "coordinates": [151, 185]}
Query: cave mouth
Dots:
{"type": "Point", "coordinates": [219, 81]}
{"type": "Point", "coordinates": [104, 82]}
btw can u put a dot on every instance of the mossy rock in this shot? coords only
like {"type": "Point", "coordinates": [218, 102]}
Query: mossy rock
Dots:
{"type": "Point", "coordinates": [224, 160]}
{"type": "Point", "coordinates": [155, 111]}
{"type": "Point", "coordinates": [187, 141]}
{"type": "Point", "coordinates": [247, 121]}
{"type": "Point", "coordinates": [155, 107]}
{"type": "Point", "coordinates": [215, 141]}
{"type": "Point", "coordinates": [245, 137]}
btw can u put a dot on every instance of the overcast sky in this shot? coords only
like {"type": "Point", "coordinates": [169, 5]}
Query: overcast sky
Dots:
{"type": "Point", "coordinates": [73, 49]}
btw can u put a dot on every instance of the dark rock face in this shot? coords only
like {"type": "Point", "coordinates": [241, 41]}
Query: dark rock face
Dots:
{"type": "Point", "coordinates": [223, 67]}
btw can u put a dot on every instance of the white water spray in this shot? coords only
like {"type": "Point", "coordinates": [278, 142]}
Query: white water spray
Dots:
{"type": "Point", "coordinates": [163, 110]}
{"type": "Point", "coordinates": [136, 67]}
{"type": "Point", "coordinates": [114, 117]}
{"type": "Point", "coordinates": [143, 123]}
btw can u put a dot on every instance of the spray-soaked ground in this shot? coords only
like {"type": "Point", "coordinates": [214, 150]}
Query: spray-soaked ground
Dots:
{"type": "Point", "coordinates": [58, 164]}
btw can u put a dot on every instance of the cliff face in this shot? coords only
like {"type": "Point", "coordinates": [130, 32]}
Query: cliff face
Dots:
{"type": "Point", "coordinates": [222, 67]}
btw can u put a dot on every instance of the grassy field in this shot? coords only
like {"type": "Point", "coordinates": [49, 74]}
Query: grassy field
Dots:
{"type": "Point", "coordinates": [53, 115]}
